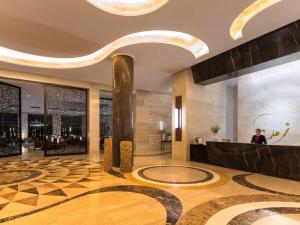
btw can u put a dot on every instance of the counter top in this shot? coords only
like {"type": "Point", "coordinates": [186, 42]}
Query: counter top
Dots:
{"type": "Point", "coordinates": [274, 160]}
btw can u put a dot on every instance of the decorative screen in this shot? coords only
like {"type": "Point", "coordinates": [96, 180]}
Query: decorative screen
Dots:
{"type": "Point", "coordinates": [10, 112]}
{"type": "Point", "coordinates": [106, 120]}
{"type": "Point", "coordinates": [66, 133]}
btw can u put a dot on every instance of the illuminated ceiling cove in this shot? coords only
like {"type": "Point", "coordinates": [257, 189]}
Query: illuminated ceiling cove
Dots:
{"type": "Point", "coordinates": [192, 44]}
{"type": "Point", "coordinates": [128, 7]}
{"type": "Point", "coordinates": [236, 30]}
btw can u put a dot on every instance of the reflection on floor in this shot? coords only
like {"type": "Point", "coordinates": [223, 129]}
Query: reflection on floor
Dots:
{"type": "Point", "coordinates": [76, 190]}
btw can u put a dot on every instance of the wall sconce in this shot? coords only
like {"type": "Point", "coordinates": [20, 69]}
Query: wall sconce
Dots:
{"type": "Point", "coordinates": [161, 125]}
{"type": "Point", "coordinates": [178, 118]}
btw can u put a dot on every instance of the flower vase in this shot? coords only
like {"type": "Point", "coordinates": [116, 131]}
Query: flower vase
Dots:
{"type": "Point", "coordinates": [215, 137]}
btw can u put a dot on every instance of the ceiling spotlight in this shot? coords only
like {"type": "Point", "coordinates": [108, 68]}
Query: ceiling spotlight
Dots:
{"type": "Point", "coordinates": [192, 44]}
{"type": "Point", "coordinates": [236, 30]}
{"type": "Point", "coordinates": [128, 7]}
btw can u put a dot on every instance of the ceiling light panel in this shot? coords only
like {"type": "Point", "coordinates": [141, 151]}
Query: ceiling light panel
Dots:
{"type": "Point", "coordinates": [128, 7]}
{"type": "Point", "coordinates": [236, 30]}
{"type": "Point", "coordinates": [192, 44]}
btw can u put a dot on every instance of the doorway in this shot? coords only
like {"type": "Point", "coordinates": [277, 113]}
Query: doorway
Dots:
{"type": "Point", "coordinates": [42, 120]}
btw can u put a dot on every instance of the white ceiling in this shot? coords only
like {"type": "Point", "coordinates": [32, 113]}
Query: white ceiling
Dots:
{"type": "Point", "coordinates": [65, 28]}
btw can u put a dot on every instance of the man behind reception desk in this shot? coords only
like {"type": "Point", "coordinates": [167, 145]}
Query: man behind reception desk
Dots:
{"type": "Point", "coordinates": [258, 138]}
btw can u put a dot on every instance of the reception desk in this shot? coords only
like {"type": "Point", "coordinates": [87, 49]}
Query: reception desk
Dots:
{"type": "Point", "coordinates": [198, 153]}
{"type": "Point", "coordinates": [273, 160]}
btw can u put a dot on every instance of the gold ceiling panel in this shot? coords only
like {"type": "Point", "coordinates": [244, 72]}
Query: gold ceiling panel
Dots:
{"type": "Point", "coordinates": [236, 30]}
{"type": "Point", "coordinates": [192, 44]}
{"type": "Point", "coordinates": [128, 7]}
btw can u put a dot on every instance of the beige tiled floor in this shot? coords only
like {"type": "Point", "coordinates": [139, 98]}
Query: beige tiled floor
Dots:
{"type": "Point", "coordinates": [57, 197]}
{"type": "Point", "coordinates": [289, 219]}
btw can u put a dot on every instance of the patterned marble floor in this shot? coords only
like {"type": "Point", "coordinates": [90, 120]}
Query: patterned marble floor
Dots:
{"type": "Point", "coordinates": [76, 190]}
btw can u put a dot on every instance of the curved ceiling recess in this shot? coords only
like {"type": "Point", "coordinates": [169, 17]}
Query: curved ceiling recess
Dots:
{"type": "Point", "coordinates": [197, 47]}
{"type": "Point", "coordinates": [236, 29]}
{"type": "Point", "coordinates": [128, 7]}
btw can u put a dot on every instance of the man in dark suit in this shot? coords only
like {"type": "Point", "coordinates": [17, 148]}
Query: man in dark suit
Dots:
{"type": "Point", "coordinates": [258, 138]}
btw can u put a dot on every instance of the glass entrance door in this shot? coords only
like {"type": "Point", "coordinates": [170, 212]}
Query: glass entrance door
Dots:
{"type": "Point", "coordinates": [10, 120]}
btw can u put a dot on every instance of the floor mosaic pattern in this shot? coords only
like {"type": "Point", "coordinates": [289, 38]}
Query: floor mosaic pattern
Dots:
{"type": "Point", "coordinates": [163, 193]}
{"type": "Point", "coordinates": [30, 185]}
{"type": "Point", "coordinates": [230, 210]}
{"type": "Point", "coordinates": [242, 180]}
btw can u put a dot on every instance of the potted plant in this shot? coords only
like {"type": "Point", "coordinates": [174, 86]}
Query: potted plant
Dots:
{"type": "Point", "coordinates": [215, 129]}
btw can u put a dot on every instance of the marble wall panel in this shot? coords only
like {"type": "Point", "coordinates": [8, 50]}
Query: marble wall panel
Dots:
{"type": "Point", "coordinates": [273, 160]}
{"type": "Point", "coordinates": [203, 106]}
{"type": "Point", "coordinates": [179, 88]}
{"type": "Point", "coordinates": [274, 48]}
{"type": "Point", "coordinates": [206, 106]}
{"type": "Point", "coordinates": [151, 108]}
{"type": "Point", "coordinates": [270, 100]}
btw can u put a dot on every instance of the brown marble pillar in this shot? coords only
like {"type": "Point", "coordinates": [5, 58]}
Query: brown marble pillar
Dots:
{"type": "Point", "coordinates": [122, 103]}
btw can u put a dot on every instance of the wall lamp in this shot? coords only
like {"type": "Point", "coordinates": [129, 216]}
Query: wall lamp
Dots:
{"type": "Point", "coordinates": [178, 118]}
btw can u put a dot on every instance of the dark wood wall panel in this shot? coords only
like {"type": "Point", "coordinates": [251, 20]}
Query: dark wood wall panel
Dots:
{"type": "Point", "coordinates": [274, 48]}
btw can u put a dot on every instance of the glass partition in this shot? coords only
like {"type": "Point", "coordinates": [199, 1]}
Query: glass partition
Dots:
{"type": "Point", "coordinates": [106, 120]}
{"type": "Point", "coordinates": [10, 117]}
{"type": "Point", "coordinates": [66, 132]}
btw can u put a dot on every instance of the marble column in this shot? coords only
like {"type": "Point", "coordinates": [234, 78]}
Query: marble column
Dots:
{"type": "Point", "coordinates": [122, 103]}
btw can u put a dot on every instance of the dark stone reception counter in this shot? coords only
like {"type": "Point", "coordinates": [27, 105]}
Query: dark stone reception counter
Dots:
{"type": "Point", "coordinates": [273, 160]}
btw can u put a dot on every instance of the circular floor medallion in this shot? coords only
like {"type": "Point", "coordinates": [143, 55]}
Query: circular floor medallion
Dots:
{"type": "Point", "coordinates": [14, 176]}
{"type": "Point", "coordinates": [175, 175]}
{"type": "Point", "coordinates": [250, 213]}
{"type": "Point", "coordinates": [242, 210]}
{"type": "Point", "coordinates": [244, 180]}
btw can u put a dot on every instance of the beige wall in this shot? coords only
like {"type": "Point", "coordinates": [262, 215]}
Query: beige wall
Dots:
{"type": "Point", "coordinates": [270, 99]}
{"type": "Point", "coordinates": [94, 121]}
{"type": "Point", "coordinates": [179, 148]}
{"type": "Point", "coordinates": [206, 107]}
{"type": "Point", "coordinates": [150, 109]}
{"type": "Point", "coordinates": [203, 106]}
{"type": "Point", "coordinates": [93, 101]}
{"type": "Point", "coordinates": [179, 88]}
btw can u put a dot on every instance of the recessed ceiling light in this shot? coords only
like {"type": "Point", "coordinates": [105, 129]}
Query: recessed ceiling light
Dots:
{"type": "Point", "coordinates": [28, 96]}
{"type": "Point", "coordinates": [236, 30]}
{"type": "Point", "coordinates": [128, 7]}
{"type": "Point", "coordinates": [197, 47]}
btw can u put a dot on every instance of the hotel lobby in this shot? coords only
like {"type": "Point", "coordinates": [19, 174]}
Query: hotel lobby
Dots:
{"type": "Point", "coordinates": [150, 112]}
